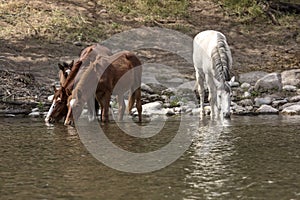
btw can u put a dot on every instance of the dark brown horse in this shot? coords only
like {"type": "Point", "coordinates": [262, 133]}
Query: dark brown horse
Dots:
{"type": "Point", "coordinates": [108, 75]}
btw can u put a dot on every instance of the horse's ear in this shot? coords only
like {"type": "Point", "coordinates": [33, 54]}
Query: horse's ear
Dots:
{"type": "Point", "coordinates": [60, 66]}
{"type": "Point", "coordinates": [232, 80]}
{"type": "Point", "coordinates": [71, 64]}
{"type": "Point", "coordinates": [54, 88]}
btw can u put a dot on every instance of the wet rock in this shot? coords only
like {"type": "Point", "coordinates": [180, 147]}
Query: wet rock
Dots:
{"type": "Point", "coordinates": [267, 109]}
{"type": "Point", "coordinates": [291, 77]}
{"type": "Point", "coordinates": [251, 77]}
{"type": "Point", "coordinates": [35, 110]}
{"type": "Point", "coordinates": [291, 110]}
{"type": "Point", "coordinates": [263, 101]}
{"type": "Point", "coordinates": [240, 110]}
{"type": "Point", "coordinates": [269, 82]}
{"type": "Point", "coordinates": [34, 114]}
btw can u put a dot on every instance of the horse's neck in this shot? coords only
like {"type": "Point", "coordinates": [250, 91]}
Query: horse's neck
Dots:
{"type": "Point", "coordinates": [71, 77]}
{"type": "Point", "coordinates": [62, 78]}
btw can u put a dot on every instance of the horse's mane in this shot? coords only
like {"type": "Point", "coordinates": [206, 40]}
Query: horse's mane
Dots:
{"type": "Point", "coordinates": [221, 59]}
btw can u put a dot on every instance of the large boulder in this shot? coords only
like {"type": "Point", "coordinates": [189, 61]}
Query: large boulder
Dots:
{"type": "Point", "coordinates": [251, 77]}
{"type": "Point", "coordinates": [269, 82]}
{"type": "Point", "coordinates": [291, 77]}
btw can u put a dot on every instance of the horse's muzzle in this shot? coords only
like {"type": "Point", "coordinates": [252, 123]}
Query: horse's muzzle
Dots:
{"type": "Point", "coordinates": [226, 115]}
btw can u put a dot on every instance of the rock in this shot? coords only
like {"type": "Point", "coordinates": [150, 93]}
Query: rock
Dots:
{"type": "Point", "coordinates": [35, 110]}
{"type": "Point", "coordinates": [146, 88]}
{"type": "Point", "coordinates": [291, 110]}
{"type": "Point", "coordinates": [240, 110]}
{"type": "Point", "coordinates": [246, 102]}
{"type": "Point", "coordinates": [234, 84]}
{"type": "Point", "coordinates": [269, 82]}
{"type": "Point", "coordinates": [245, 86]}
{"type": "Point", "coordinates": [291, 77]}
{"type": "Point", "coordinates": [34, 114]}
{"type": "Point", "coordinates": [262, 101]}
{"type": "Point", "coordinates": [251, 77]}
{"type": "Point", "coordinates": [294, 98]}
{"type": "Point", "coordinates": [50, 98]}
{"type": "Point", "coordinates": [278, 103]}
{"type": "Point", "coordinates": [170, 112]}
{"type": "Point", "coordinates": [289, 88]}
{"type": "Point", "coordinates": [247, 95]}
{"type": "Point", "coordinates": [266, 109]}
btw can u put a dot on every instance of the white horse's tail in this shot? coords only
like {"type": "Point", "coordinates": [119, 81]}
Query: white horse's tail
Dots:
{"type": "Point", "coordinates": [221, 59]}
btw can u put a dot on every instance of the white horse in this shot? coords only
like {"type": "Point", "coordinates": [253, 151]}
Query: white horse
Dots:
{"type": "Point", "coordinates": [212, 62]}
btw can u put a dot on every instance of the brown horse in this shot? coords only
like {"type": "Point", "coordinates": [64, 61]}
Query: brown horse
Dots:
{"type": "Point", "coordinates": [58, 110]}
{"type": "Point", "coordinates": [64, 71]}
{"type": "Point", "coordinates": [107, 75]}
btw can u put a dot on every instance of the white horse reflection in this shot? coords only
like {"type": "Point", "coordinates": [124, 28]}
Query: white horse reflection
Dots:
{"type": "Point", "coordinates": [212, 62]}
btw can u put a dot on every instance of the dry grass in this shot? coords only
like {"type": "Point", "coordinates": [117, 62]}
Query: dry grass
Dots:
{"type": "Point", "coordinates": [80, 20]}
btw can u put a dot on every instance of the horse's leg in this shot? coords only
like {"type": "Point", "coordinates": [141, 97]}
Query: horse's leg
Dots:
{"type": "Point", "coordinates": [212, 97]}
{"type": "Point", "coordinates": [201, 89]}
{"type": "Point", "coordinates": [122, 106]}
{"type": "Point", "coordinates": [69, 116]}
{"type": "Point", "coordinates": [105, 110]}
{"type": "Point", "coordinates": [135, 97]}
{"type": "Point", "coordinates": [91, 109]}
{"type": "Point", "coordinates": [138, 99]}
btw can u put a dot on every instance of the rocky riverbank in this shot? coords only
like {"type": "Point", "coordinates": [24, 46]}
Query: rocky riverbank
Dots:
{"type": "Point", "coordinates": [254, 93]}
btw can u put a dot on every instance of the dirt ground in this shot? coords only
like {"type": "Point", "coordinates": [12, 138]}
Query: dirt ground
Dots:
{"type": "Point", "coordinates": [28, 66]}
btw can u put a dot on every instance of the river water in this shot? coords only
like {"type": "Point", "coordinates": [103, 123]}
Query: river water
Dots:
{"type": "Point", "coordinates": [249, 158]}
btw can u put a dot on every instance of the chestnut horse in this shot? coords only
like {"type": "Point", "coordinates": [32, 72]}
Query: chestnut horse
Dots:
{"type": "Point", "coordinates": [58, 109]}
{"type": "Point", "coordinates": [104, 74]}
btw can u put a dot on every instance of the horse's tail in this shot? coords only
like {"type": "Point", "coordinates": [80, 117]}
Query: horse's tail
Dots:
{"type": "Point", "coordinates": [135, 91]}
{"type": "Point", "coordinates": [221, 59]}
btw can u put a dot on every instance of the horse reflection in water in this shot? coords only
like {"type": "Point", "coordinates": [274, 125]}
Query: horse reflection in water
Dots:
{"type": "Point", "coordinates": [212, 62]}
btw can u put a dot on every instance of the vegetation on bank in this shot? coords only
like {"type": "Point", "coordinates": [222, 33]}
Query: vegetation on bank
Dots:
{"type": "Point", "coordinates": [93, 20]}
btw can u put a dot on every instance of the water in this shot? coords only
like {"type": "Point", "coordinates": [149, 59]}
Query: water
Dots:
{"type": "Point", "coordinates": [250, 158]}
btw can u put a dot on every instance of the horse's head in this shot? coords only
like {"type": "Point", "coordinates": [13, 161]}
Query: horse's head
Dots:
{"type": "Point", "coordinates": [224, 99]}
{"type": "Point", "coordinates": [64, 71]}
{"type": "Point", "coordinates": [59, 108]}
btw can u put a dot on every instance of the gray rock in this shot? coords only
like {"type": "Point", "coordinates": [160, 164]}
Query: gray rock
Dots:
{"type": "Point", "coordinates": [291, 110]}
{"type": "Point", "coordinates": [247, 95]}
{"type": "Point", "coordinates": [146, 88]}
{"type": "Point", "coordinates": [294, 98]}
{"type": "Point", "coordinates": [262, 101]}
{"type": "Point", "coordinates": [34, 114]}
{"type": "Point", "coordinates": [278, 103]}
{"type": "Point", "coordinates": [269, 82]}
{"type": "Point", "coordinates": [35, 110]}
{"type": "Point", "coordinates": [245, 86]}
{"type": "Point", "coordinates": [266, 109]}
{"type": "Point", "coordinates": [246, 102]}
{"type": "Point", "coordinates": [291, 77]}
{"type": "Point", "coordinates": [251, 77]}
{"type": "Point", "coordinates": [289, 88]}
